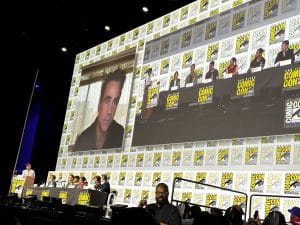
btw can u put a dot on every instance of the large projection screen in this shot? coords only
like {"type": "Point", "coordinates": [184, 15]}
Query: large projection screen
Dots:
{"type": "Point", "coordinates": [237, 132]}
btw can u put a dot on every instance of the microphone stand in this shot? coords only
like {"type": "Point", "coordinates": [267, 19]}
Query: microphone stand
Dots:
{"type": "Point", "coordinates": [23, 131]}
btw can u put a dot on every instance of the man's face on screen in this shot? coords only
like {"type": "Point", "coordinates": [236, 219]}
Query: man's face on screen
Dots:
{"type": "Point", "coordinates": [108, 105]}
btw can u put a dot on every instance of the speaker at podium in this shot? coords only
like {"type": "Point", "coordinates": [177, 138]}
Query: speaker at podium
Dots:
{"type": "Point", "coordinates": [18, 182]}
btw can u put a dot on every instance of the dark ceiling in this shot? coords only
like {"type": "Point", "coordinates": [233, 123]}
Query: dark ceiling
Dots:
{"type": "Point", "coordinates": [45, 26]}
{"type": "Point", "coordinates": [34, 32]}
{"type": "Point", "coordinates": [41, 28]}
{"type": "Point", "coordinates": [38, 30]}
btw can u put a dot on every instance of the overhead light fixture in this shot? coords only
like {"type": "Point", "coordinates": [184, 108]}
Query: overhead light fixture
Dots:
{"type": "Point", "coordinates": [64, 49]}
{"type": "Point", "coordinates": [107, 28]}
{"type": "Point", "coordinates": [145, 9]}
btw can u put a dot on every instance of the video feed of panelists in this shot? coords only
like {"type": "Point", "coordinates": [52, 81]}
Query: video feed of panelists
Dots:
{"type": "Point", "coordinates": [193, 92]}
{"type": "Point", "coordinates": [243, 106]}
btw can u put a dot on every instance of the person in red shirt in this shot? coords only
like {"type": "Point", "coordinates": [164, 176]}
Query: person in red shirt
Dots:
{"type": "Point", "coordinates": [82, 183]}
{"type": "Point", "coordinates": [233, 67]}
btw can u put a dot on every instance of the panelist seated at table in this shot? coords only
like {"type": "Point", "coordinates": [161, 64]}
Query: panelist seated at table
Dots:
{"type": "Point", "coordinates": [212, 73]}
{"type": "Point", "coordinates": [192, 78]}
{"type": "Point", "coordinates": [82, 183]}
{"type": "Point", "coordinates": [105, 185]}
{"type": "Point", "coordinates": [96, 183]}
{"type": "Point", "coordinates": [76, 181]}
{"type": "Point", "coordinates": [51, 181]}
{"type": "Point", "coordinates": [175, 82]}
{"type": "Point", "coordinates": [285, 56]}
{"type": "Point", "coordinates": [70, 183]}
{"type": "Point", "coordinates": [232, 68]}
{"type": "Point", "coordinates": [258, 63]}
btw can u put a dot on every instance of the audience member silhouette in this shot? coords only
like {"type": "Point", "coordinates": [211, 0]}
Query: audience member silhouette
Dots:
{"type": "Point", "coordinates": [134, 216]}
{"type": "Point", "coordinates": [274, 218]}
{"type": "Point", "coordinates": [234, 215]}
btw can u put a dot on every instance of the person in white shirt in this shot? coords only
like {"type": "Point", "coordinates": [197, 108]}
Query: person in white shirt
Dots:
{"type": "Point", "coordinates": [28, 172]}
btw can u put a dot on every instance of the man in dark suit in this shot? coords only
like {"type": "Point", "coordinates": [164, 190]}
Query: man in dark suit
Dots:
{"type": "Point", "coordinates": [285, 53]}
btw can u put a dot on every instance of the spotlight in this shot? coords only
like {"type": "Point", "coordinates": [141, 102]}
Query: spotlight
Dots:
{"type": "Point", "coordinates": [145, 9]}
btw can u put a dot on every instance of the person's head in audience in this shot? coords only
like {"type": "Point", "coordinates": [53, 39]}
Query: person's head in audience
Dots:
{"type": "Point", "coordinates": [274, 218]}
{"type": "Point", "coordinates": [251, 221]}
{"type": "Point", "coordinates": [216, 211]}
{"type": "Point", "coordinates": [239, 208]}
{"type": "Point", "coordinates": [187, 214]}
{"type": "Point", "coordinates": [195, 211]}
{"type": "Point", "coordinates": [295, 215]}
{"type": "Point", "coordinates": [234, 215]}
{"type": "Point", "coordinates": [134, 216]}
{"type": "Point", "coordinates": [161, 194]}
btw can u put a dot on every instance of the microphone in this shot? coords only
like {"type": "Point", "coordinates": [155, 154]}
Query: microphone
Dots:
{"type": "Point", "coordinates": [297, 52]}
